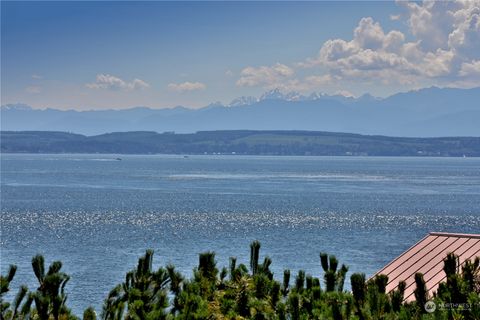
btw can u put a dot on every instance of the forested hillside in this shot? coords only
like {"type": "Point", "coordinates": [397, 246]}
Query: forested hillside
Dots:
{"type": "Point", "coordinates": [238, 142]}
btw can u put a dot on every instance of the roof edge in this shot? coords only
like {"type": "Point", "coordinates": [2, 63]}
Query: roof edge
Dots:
{"type": "Point", "coordinates": [458, 235]}
{"type": "Point", "coordinates": [398, 257]}
{"type": "Point", "coordinates": [436, 234]}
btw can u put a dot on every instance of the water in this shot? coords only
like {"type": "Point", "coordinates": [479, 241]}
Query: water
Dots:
{"type": "Point", "coordinates": [98, 215]}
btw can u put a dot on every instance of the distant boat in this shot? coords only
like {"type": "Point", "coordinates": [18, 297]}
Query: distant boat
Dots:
{"type": "Point", "coordinates": [185, 157]}
{"type": "Point", "coordinates": [118, 159]}
{"type": "Point", "coordinates": [464, 156]}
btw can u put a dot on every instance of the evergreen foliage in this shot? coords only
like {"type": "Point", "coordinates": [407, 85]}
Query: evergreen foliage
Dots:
{"type": "Point", "coordinates": [238, 292]}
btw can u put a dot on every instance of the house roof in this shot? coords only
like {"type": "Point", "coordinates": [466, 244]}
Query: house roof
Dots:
{"type": "Point", "coordinates": [426, 256]}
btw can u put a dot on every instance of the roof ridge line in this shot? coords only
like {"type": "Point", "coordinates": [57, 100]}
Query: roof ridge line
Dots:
{"type": "Point", "coordinates": [460, 235]}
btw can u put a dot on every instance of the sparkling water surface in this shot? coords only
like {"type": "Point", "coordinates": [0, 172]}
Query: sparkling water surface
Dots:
{"type": "Point", "coordinates": [98, 215]}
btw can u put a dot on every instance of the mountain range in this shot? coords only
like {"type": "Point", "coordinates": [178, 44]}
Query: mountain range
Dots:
{"type": "Point", "coordinates": [429, 112]}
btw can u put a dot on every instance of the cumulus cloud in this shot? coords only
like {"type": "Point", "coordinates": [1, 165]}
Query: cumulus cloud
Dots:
{"type": "Point", "coordinates": [109, 82]}
{"type": "Point", "coordinates": [431, 21]}
{"type": "Point", "coordinates": [465, 38]}
{"type": "Point", "coordinates": [448, 25]}
{"type": "Point", "coordinates": [282, 77]}
{"type": "Point", "coordinates": [318, 80]}
{"type": "Point", "coordinates": [186, 86]}
{"type": "Point", "coordinates": [446, 36]}
{"type": "Point", "coordinates": [441, 48]}
{"type": "Point", "coordinates": [371, 53]}
{"type": "Point", "coordinates": [264, 75]}
{"type": "Point", "coordinates": [470, 69]}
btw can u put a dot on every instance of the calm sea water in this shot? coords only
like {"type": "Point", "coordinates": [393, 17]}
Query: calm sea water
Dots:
{"type": "Point", "coordinates": [98, 215]}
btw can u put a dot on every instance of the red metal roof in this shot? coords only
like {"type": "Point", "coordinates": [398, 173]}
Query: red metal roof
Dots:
{"type": "Point", "coordinates": [426, 256]}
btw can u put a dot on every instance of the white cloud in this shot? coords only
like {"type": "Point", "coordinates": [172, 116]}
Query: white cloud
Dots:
{"type": "Point", "coordinates": [470, 69]}
{"type": "Point", "coordinates": [395, 17]}
{"type": "Point", "coordinates": [315, 81]}
{"type": "Point", "coordinates": [33, 89]}
{"type": "Point", "coordinates": [264, 76]}
{"type": "Point", "coordinates": [447, 25]}
{"type": "Point", "coordinates": [465, 38]}
{"type": "Point", "coordinates": [372, 54]}
{"type": "Point", "coordinates": [368, 34]}
{"type": "Point", "coordinates": [282, 77]}
{"type": "Point", "coordinates": [445, 37]}
{"type": "Point", "coordinates": [442, 47]}
{"type": "Point", "coordinates": [109, 82]}
{"type": "Point", "coordinates": [36, 76]}
{"type": "Point", "coordinates": [431, 22]}
{"type": "Point", "coordinates": [186, 86]}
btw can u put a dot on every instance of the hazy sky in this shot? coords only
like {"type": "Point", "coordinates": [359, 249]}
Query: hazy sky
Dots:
{"type": "Point", "coordinates": [96, 55]}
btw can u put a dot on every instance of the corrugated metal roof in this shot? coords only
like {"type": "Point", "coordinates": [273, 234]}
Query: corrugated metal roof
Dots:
{"type": "Point", "coordinates": [427, 256]}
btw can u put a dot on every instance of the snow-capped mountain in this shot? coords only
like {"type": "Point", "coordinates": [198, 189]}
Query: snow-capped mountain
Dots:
{"type": "Point", "coordinates": [274, 94]}
{"type": "Point", "coordinates": [243, 101]}
{"type": "Point", "coordinates": [17, 106]}
{"type": "Point", "coordinates": [421, 113]}
{"type": "Point", "coordinates": [277, 94]}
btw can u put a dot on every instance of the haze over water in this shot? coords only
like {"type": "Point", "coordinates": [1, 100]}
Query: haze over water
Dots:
{"type": "Point", "coordinates": [98, 215]}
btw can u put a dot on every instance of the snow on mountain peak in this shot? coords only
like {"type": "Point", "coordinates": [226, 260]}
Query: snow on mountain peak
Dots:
{"type": "Point", "coordinates": [243, 101]}
{"type": "Point", "coordinates": [17, 106]}
{"type": "Point", "coordinates": [274, 94]}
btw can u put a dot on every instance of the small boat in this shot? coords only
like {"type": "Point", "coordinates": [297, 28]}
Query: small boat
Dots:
{"type": "Point", "coordinates": [118, 159]}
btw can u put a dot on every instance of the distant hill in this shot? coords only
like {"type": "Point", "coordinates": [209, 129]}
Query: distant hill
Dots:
{"type": "Point", "coordinates": [237, 142]}
{"type": "Point", "coordinates": [430, 112]}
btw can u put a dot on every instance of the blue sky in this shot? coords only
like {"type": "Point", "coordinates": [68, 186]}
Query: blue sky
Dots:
{"type": "Point", "coordinates": [96, 55]}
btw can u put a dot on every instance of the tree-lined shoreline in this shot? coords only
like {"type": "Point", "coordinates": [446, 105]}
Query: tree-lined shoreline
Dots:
{"type": "Point", "coordinates": [238, 142]}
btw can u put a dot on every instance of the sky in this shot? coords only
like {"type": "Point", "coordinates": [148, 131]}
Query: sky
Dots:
{"type": "Point", "coordinates": [104, 55]}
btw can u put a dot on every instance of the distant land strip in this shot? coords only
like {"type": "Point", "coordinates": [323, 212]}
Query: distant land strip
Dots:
{"type": "Point", "coordinates": [239, 142]}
